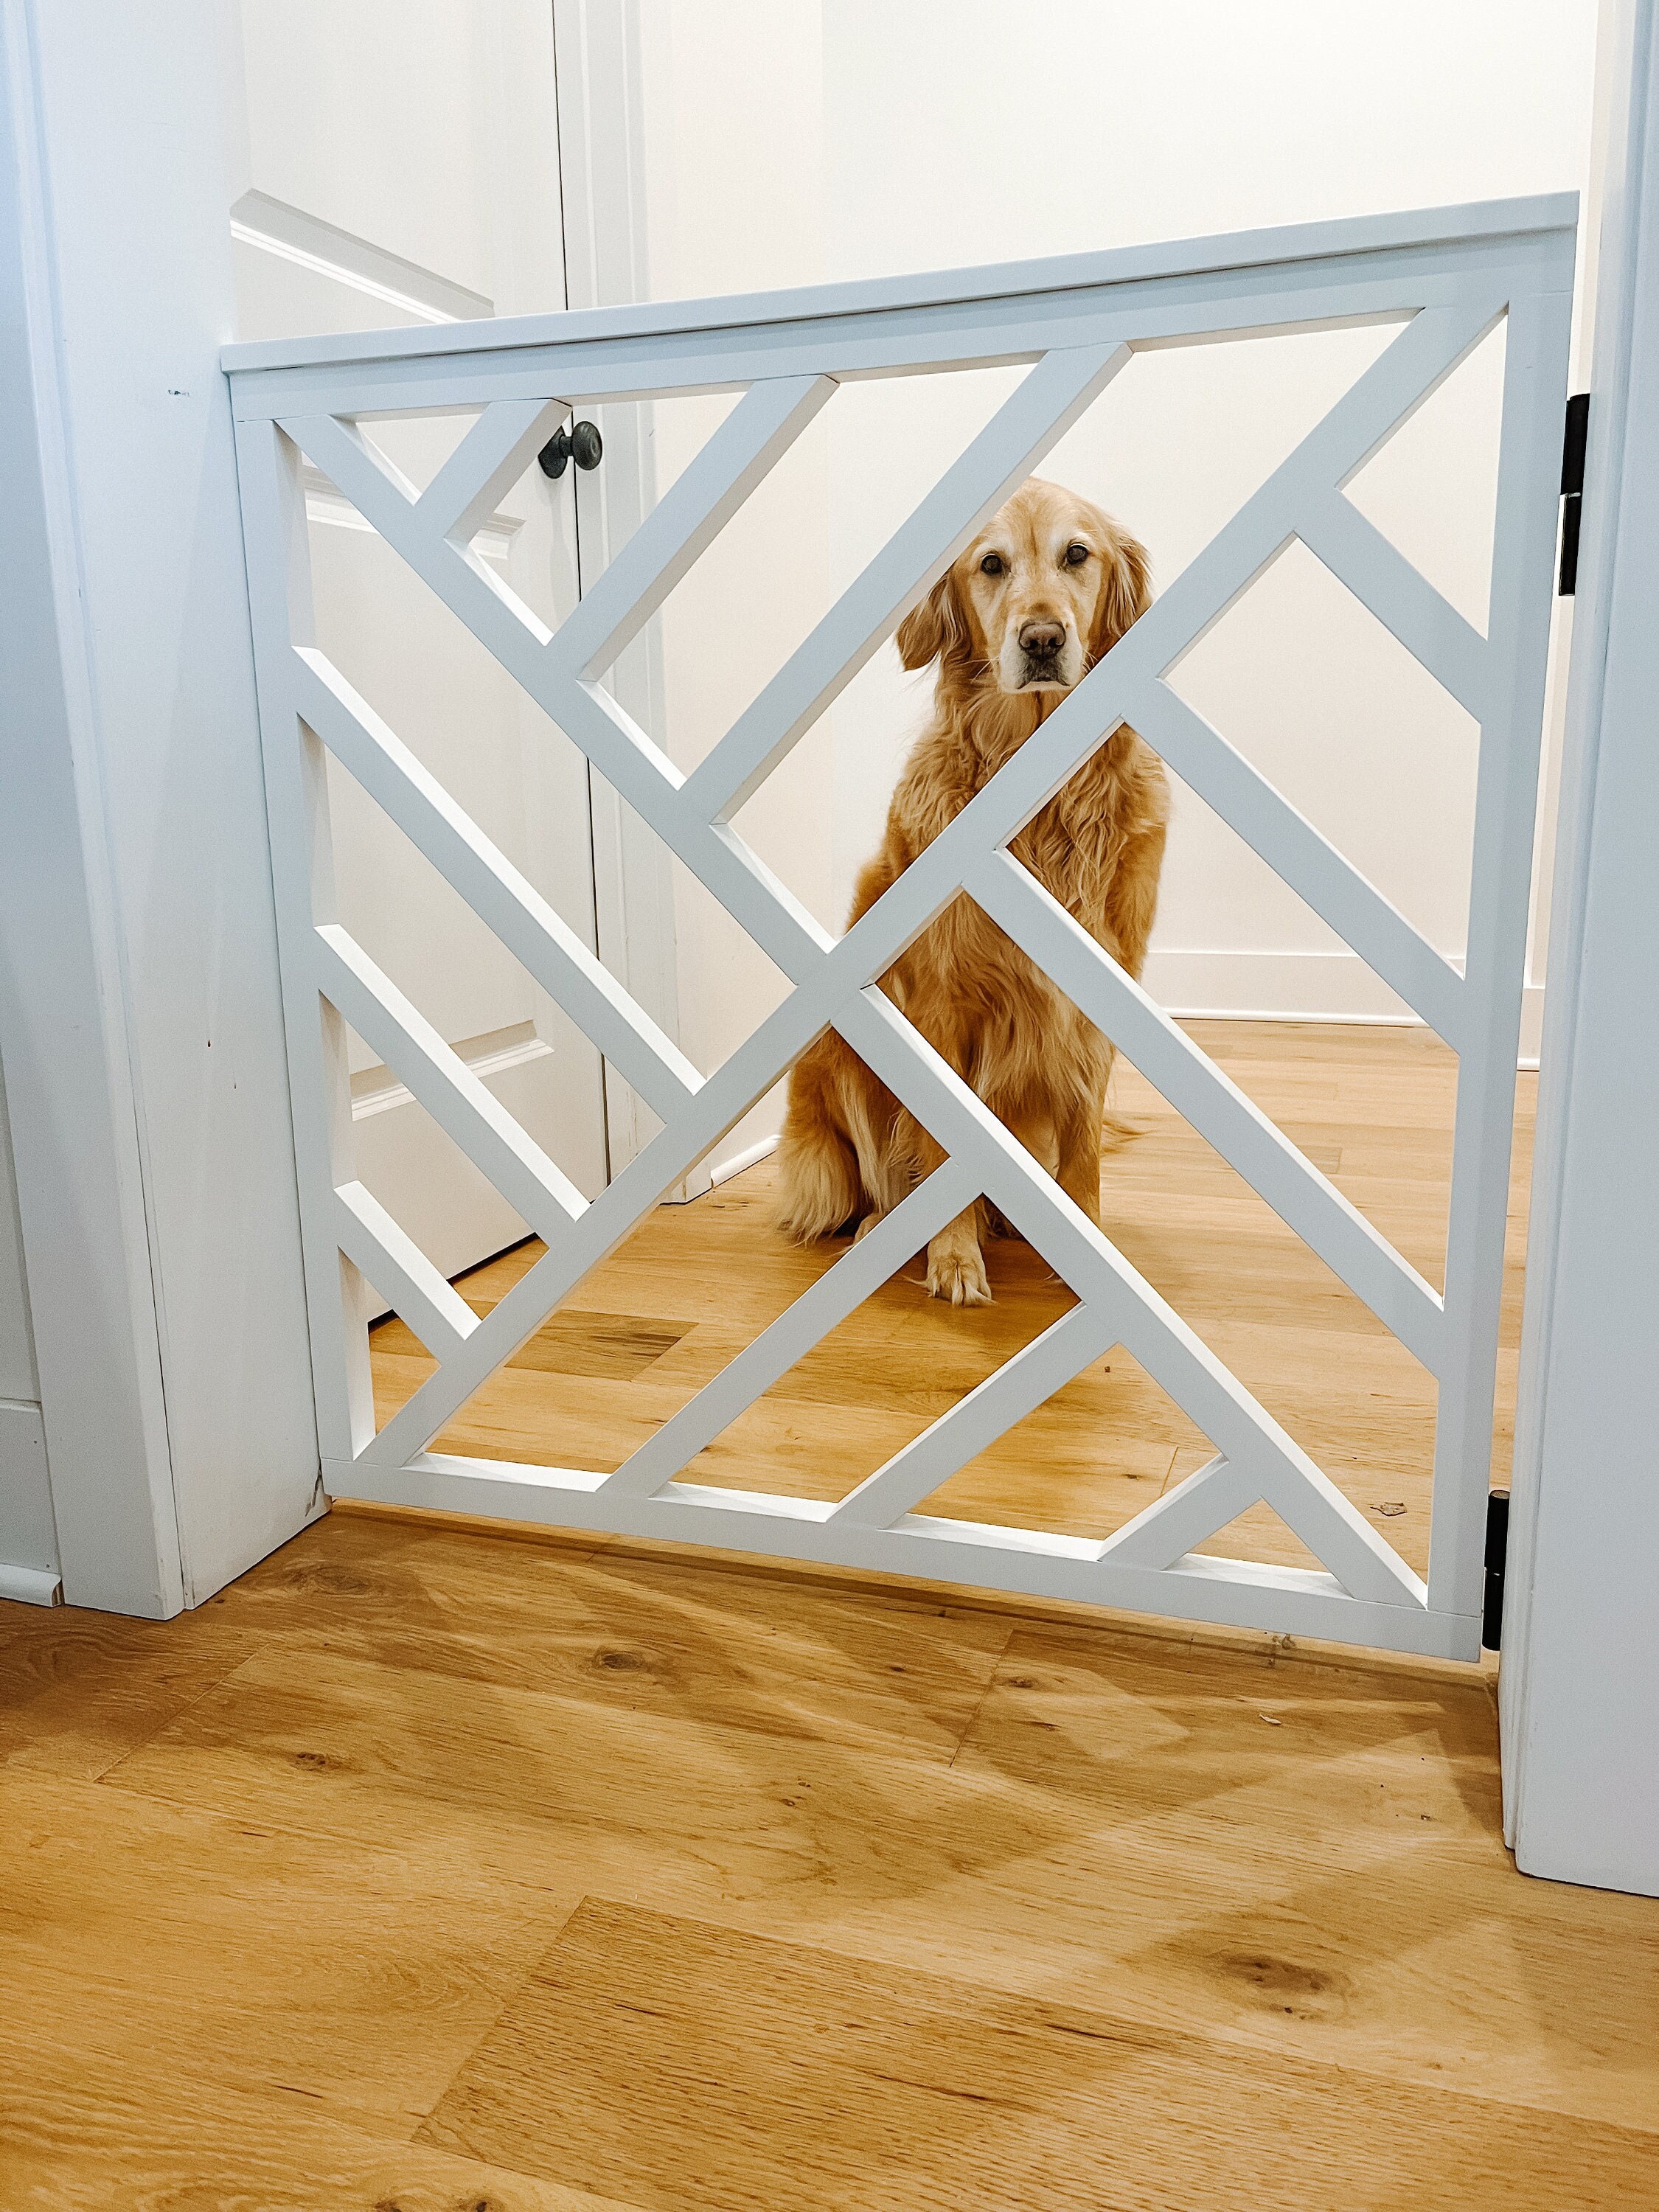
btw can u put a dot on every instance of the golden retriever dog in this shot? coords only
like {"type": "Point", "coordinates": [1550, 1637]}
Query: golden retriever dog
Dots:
{"type": "Point", "coordinates": [1048, 586]}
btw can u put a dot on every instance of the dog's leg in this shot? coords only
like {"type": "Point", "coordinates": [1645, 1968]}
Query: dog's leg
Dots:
{"type": "Point", "coordinates": [1078, 1172]}
{"type": "Point", "coordinates": [820, 1187]}
{"type": "Point", "coordinates": [955, 1264]}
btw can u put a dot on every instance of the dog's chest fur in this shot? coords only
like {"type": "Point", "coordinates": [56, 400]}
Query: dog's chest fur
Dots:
{"type": "Point", "coordinates": [966, 984]}
{"type": "Point", "coordinates": [1074, 844]}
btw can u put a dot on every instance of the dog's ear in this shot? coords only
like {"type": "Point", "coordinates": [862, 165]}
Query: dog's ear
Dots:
{"type": "Point", "coordinates": [937, 629]}
{"type": "Point", "coordinates": [1125, 592]}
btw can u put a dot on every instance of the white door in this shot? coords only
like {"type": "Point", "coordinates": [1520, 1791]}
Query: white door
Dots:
{"type": "Point", "coordinates": [401, 168]}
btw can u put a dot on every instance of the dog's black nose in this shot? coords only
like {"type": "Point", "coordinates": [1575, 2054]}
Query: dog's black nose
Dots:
{"type": "Point", "coordinates": [1041, 640]}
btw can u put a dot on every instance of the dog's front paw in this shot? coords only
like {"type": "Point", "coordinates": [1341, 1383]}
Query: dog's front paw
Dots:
{"type": "Point", "coordinates": [957, 1273]}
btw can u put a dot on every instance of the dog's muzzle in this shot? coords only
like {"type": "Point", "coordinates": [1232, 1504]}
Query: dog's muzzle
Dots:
{"type": "Point", "coordinates": [1042, 645]}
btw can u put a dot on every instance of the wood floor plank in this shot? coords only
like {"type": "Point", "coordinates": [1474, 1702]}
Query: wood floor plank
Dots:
{"type": "Point", "coordinates": [683, 2065]}
{"type": "Point", "coordinates": [629, 1635]}
{"type": "Point", "coordinates": [139, 1936]}
{"type": "Point", "coordinates": [1384, 1912]}
{"type": "Point", "coordinates": [1155, 1847]}
{"type": "Point", "coordinates": [76, 2141]}
{"type": "Point", "coordinates": [79, 1689]}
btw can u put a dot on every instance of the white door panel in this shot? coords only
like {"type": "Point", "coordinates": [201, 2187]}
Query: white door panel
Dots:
{"type": "Point", "coordinates": [376, 118]}
{"type": "Point", "coordinates": [402, 168]}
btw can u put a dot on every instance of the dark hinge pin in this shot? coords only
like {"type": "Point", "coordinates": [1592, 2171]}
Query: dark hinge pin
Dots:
{"type": "Point", "coordinates": [1573, 488]}
{"type": "Point", "coordinates": [1497, 1543]}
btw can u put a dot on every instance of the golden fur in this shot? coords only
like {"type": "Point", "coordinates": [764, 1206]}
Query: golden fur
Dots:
{"type": "Point", "coordinates": [1045, 589]}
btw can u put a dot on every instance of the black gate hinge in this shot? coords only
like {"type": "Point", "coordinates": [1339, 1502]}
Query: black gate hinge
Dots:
{"type": "Point", "coordinates": [1572, 490]}
{"type": "Point", "coordinates": [1497, 1545]}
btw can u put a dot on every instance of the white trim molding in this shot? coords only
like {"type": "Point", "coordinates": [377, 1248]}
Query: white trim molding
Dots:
{"type": "Point", "coordinates": [28, 1533]}
{"type": "Point", "coordinates": [31, 1586]}
{"type": "Point", "coordinates": [1239, 985]}
{"type": "Point", "coordinates": [291, 234]}
{"type": "Point", "coordinates": [140, 1016]}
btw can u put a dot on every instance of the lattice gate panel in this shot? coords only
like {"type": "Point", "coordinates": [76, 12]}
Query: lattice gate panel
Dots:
{"type": "Point", "coordinates": [1447, 279]}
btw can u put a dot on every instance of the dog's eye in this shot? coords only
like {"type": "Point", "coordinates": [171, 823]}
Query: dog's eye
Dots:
{"type": "Point", "coordinates": [991, 564]}
{"type": "Point", "coordinates": [1076, 555]}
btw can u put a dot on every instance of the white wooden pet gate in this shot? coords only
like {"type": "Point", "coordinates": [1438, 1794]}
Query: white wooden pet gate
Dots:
{"type": "Point", "coordinates": [1446, 278]}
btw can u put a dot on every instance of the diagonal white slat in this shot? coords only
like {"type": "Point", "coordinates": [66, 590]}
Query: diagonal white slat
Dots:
{"type": "Point", "coordinates": [1400, 596]}
{"type": "Point", "coordinates": [1206, 1096]}
{"type": "Point", "coordinates": [443, 1083]}
{"type": "Point", "coordinates": [489, 461]}
{"type": "Point", "coordinates": [1424, 353]}
{"type": "Point", "coordinates": [366, 474]}
{"type": "Point", "coordinates": [532, 930]}
{"type": "Point", "coordinates": [988, 1411]}
{"type": "Point", "coordinates": [1306, 860]}
{"type": "Point", "coordinates": [685, 521]}
{"type": "Point", "coordinates": [1177, 1522]}
{"type": "Point", "coordinates": [1148, 1327]}
{"type": "Point", "coordinates": [380, 1247]}
{"type": "Point", "coordinates": [866, 951]}
{"type": "Point", "coordinates": [1048, 401]}
{"type": "Point", "coordinates": [836, 1293]}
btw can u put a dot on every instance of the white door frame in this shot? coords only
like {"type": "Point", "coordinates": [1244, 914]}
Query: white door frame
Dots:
{"type": "Point", "coordinates": [1579, 1685]}
{"type": "Point", "coordinates": [140, 1023]}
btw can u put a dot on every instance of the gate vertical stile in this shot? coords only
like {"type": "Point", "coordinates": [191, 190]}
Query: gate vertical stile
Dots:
{"type": "Point", "coordinates": [278, 557]}
{"type": "Point", "coordinates": [1524, 553]}
{"type": "Point", "coordinates": [1445, 277]}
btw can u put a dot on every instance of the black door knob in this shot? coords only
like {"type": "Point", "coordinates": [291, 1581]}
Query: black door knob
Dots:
{"type": "Point", "coordinates": [580, 443]}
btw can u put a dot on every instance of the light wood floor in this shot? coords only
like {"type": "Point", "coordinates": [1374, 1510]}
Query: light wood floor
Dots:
{"type": "Point", "coordinates": [1372, 1106]}
{"type": "Point", "coordinates": [426, 1870]}
{"type": "Point", "coordinates": [429, 1869]}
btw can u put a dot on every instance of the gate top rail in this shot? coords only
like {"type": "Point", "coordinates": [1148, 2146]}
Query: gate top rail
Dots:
{"type": "Point", "coordinates": [1474, 223]}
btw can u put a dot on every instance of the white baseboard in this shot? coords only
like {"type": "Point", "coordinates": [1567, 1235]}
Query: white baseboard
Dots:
{"type": "Point", "coordinates": [1297, 986]}
{"type": "Point", "coordinates": [748, 1158]}
{"type": "Point", "coordinates": [29, 1536]}
{"type": "Point", "coordinates": [711, 1174]}
{"type": "Point", "coordinates": [31, 1586]}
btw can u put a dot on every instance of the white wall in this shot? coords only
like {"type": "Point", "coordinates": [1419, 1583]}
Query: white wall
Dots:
{"type": "Point", "coordinates": [856, 140]}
